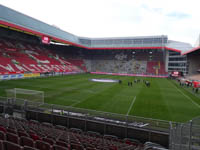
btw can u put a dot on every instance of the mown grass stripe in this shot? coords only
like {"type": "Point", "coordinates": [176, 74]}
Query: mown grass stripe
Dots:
{"type": "Point", "coordinates": [160, 101]}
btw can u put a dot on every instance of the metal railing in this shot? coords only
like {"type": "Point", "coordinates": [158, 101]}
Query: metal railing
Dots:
{"type": "Point", "coordinates": [112, 118]}
{"type": "Point", "coordinates": [185, 136]}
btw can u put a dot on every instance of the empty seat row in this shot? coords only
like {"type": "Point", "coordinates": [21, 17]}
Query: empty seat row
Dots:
{"type": "Point", "coordinates": [7, 145]}
{"type": "Point", "coordinates": [34, 134]}
{"type": "Point", "coordinates": [34, 58]}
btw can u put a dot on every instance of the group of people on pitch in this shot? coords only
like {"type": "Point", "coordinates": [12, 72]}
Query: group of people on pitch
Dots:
{"type": "Point", "coordinates": [135, 81]}
{"type": "Point", "coordinates": [147, 83]}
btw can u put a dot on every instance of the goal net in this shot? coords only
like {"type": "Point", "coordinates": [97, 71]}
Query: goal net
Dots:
{"type": "Point", "coordinates": [30, 95]}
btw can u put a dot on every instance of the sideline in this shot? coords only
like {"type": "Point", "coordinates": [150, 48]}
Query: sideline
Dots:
{"type": "Point", "coordinates": [186, 96]}
{"type": "Point", "coordinates": [191, 92]}
{"type": "Point", "coordinates": [75, 103]}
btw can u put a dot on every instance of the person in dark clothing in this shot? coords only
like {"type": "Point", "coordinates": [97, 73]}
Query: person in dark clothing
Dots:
{"type": "Point", "coordinates": [196, 90]}
{"type": "Point", "coordinates": [120, 81]}
{"type": "Point", "coordinates": [135, 81]}
{"type": "Point", "coordinates": [147, 83]}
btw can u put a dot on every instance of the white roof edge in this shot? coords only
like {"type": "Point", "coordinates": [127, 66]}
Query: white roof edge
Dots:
{"type": "Point", "coordinates": [123, 38]}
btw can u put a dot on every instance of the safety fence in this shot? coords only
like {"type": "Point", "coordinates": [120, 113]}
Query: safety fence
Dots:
{"type": "Point", "coordinates": [185, 136]}
{"type": "Point", "coordinates": [125, 126]}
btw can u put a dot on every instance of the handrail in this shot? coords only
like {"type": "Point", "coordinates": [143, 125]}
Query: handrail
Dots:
{"type": "Point", "coordinates": [128, 120]}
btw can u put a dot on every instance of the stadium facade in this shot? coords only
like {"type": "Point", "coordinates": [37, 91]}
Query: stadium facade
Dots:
{"type": "Point", "coordinates": [169, 51]}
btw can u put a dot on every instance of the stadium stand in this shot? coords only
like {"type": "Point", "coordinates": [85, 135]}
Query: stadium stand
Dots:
{"type": "Point", "coordinates": [18, 57]}
{"type": "Point", "coordinates": [45, 136]}
{"type": "Point", "coordinates": [140, 62]}
{"type": "Point", "coordinates": [154, 67]}
{"type": "Point", "coordinates": [78, 62]}
{"type": "Point", "coordinates": [119, 66]}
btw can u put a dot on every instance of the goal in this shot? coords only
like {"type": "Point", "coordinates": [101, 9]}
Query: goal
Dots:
{"type": "Point", "coordinates": [25, 94]}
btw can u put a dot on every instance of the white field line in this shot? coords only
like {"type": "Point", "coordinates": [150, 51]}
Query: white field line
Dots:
{"type": "Point", "coordinates": [186, 96]}
{"type": "Point", "coordinates": [131, 106]}
{"type": "Point", "coordinates": [191, 92]}
{"type": "Point", "coordinates": [75, 103]}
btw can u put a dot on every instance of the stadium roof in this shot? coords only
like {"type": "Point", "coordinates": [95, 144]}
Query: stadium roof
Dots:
{"type": "Point", "coordinates": [17, 20]}
{"type": "Point", "coordinates": [184, 47]}
{"type": "Point", "coordinates": [191, 50]}
{"type": "Point", "coordinates": [197, 47]}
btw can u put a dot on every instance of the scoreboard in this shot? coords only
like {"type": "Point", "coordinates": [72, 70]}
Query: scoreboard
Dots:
{"type": "Point", "coordinates": [176, 74]}
{"type": "Point", "coordinates": [45, 40]}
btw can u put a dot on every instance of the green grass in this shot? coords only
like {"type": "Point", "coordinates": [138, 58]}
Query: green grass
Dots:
{"type": "Point", "coordinates": [164, 100]}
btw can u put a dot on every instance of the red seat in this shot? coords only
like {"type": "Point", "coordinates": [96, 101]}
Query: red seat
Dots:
{"type": "Point", "coordinates": [21, 133]}
{"type": "Point", "coordinates": [90, 148]}
{"type": "Point", "coordinates": [34, 137]}
{"type": "Point", "coordinates": [12, 138]}
{"type": "Point", "coordinates": [29, 148]}
{"type": "Point", "coordinates": [3, 129]}
{"type": "Point", "coordinates": [11, 131]}
{"type": "Point", "coordinates": [11, 146]}
{"type": "Point", "coordinates": [48, 140]}
{"type": "Point", "coordinates": [42, 145]}
{"type": "Point", "coordinates": [2, 135]}
{"type": "Point", "coordinates": [26, 141]}
{"type": "Point", "coordinates": [61, 143]}
{"type": "Point", "coordinates": [57, 147]}
{"type": "Point", "coordinates": [76, 146]}
{"type": "Point", "coordinates": [1, 145]}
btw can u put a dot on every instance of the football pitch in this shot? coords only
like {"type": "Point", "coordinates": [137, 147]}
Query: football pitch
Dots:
{"type": "Point", "coordinates": [163, 100]}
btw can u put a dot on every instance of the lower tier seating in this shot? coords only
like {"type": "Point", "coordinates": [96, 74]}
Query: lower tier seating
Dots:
{"type": "Point", "coordinates": [21, 134]}
{"type": "Point", "coordinates": [20, 57]}
{"type": "Point", "coordinates": [156, 68]}
{"type": "Point", "coordinates": [130, 66]}
{"type": "Point", "coordinates": [18, 62]}
{"type": "Point", "coordinates": [119, 66]}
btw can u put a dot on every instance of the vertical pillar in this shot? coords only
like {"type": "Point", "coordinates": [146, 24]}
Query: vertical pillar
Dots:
{"type": "Point", "coordinates": [190, 135]}
{"type": "Point", "coordinates": [181, 128]}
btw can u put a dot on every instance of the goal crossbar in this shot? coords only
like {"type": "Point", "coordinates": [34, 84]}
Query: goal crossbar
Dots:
{"type": "Point", "coordinates": [27, 91]}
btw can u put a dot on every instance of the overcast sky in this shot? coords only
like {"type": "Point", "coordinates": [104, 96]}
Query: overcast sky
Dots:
{"type": "Point", "coordinates": [179, 19]}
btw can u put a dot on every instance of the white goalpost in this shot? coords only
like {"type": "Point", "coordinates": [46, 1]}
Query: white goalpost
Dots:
{"type": "Point", "coordinates": [25, 94]}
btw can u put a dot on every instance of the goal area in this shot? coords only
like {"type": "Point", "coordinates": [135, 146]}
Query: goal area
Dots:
{"type": "Point", "coordinates": [25, 94]}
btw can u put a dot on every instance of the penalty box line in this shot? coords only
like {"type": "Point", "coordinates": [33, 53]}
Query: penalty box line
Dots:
{"type": "Point", "coordinates": [133, 101]}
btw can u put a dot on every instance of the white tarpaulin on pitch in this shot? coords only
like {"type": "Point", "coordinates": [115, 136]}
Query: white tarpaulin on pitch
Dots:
{"type": "Point", "coordinates": [104, 80]}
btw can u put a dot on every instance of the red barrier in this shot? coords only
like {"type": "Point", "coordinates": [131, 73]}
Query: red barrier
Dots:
{"type": "Point", "coordinates": [196, 84]}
